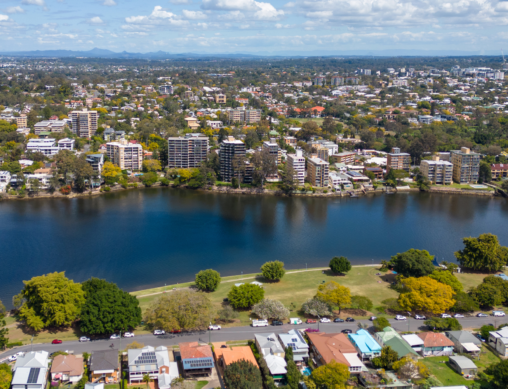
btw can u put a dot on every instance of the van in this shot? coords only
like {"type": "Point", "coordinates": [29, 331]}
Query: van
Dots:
{"type": "Point", "coordinates": [295, 320]}
{"type": "Point", "coordinates": [260, 323]}
{"type": "Point", "coordinates": [498, 313]}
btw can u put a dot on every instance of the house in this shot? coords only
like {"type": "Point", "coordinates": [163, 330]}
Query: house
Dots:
{"type": "Point", "coordinates": [192, 123]}
{"type": "Point", "coordinates": [197, 360]}
{"type": "Point", "coordinates": [414, 341]}
{"type": "Point", "coordinates": [390, 337]}
{"type": "Point", "coordinates": [67, 368]}
{"type": "Point", "coordinates": [377, 171]}
{"type": "Point", "coordinates": [31, 371]}
{"type": "Point", "coordinates": [229, 355]}
{"type": "Point", "coordinates": [295, 340]}
{"type": "Point", "coordinates": [499, 341]}
{"type": "Point", "coordinates": [463, 365]}
{"type": "Point", "coordinates": [365, 344]}
{"type": "Point", "coordinates": [436, 343]}
{"type": "Point", "coordinates": [154, 362]}
{"type": "Point", "coordinates": [464, 341]}
{"type": "Point", "coordinates": [104, 366]}
{"type": "Point", "coordinates": [273, 353]}
{"type": "Point", "coordinates": [334, 347]}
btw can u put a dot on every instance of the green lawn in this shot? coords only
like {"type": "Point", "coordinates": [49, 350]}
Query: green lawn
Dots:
{"type": "Point", "coordinates": [443, 372]}
{"type": "Point", "coordinates": [487, 358]}
{"type": "Point", "coordinates": [470, 280]}
{"type": "Point", "coordinates": [319, 121]}
{"type": "Point", "coordinates": [201, 384]}
{"type": "Point", "coordinates": [462, 186]}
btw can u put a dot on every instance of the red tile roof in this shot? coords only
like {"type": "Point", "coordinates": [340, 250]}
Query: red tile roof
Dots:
{"type": "Point", "coordinates": [433, 339]}
{"type": "Point", "coordinates": [192, 350]}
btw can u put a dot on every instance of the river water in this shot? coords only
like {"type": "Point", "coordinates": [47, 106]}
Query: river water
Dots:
{"type": "Point", "coordinates": [144, 238]}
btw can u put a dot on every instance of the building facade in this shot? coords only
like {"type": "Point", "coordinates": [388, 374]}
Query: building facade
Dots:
{"type": "Point", "coordinates": [317, 172]}
{"type": "Point", "coordinates": [232, 152]}
{"type": "Point", "coordinates": [437, 172]}
{"type": "Point", "coordinates": [84, 123]}
{"type": "Point", "coordinates": [244, 116]}
{"type": "Point", "coordinates": [297, 163]}
{"type": "Point", "coordinates": [398, 161]}
{"type": "Point", "coordinates": [466, 166]}
{"type": "Point", "coordinates": [273, 149]}
{"type": "Point", "coordinates": [188, 151]}
{"type": "Point", "coordinates": [125, 155]}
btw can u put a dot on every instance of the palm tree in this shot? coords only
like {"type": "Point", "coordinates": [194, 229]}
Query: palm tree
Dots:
{"type": "Point", "coordinates": [147, 379]}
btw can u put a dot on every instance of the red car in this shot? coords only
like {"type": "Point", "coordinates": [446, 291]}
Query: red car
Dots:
{"type": "Point", "coordinates": [175, 331]}
{"type": "Point", "coordinates": [311, 321]}
{"type": "Point", "coordinates": [56, 341]}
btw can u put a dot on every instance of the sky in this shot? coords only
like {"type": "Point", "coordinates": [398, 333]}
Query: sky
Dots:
{"type": "Point", "coordinates": [249, 26]}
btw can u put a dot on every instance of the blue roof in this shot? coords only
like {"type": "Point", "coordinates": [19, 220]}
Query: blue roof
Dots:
{"type": "Point", "coordinates": [503, 276]}
{"type": "Point", "coordinates": [365, 342]}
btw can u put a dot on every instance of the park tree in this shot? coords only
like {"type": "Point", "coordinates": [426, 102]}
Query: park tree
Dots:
{"type": "Point", "coordinates": [316, 307]}
{"type": "Point", "coordinates": [340, 265]}
{"type": "Point", "coordinates": [242, 374]}
{"type": "Point", "coordinates": [273, 271]}
{"type": "Point", "coordinates": [227, 313]}
{"type": "Point", "coordinates": [386, 359]}
{"type": "Point", "coordinates": [270, 309]}
{"type": "Point", "coordinates": [332, 375]}
{"type": "Point", "coordinates": [334, 294]}
{"type": "Point", "coordinates": [180, 310]}
{"type": "Point", "coordinates": [245, 295]}
{"type": "Point", "coordinates": [426, 294]}
{"type": "Point", "coordinates": [487, 295]}
{"type": "Point", "coordinates": [108, 309]}
{"type": "Point", "coordinates": [446, 277]}
{"type": "Point", "coordinates": [499, 283]}
{"type": "Point", "coordinates": [51, 300]}
{"type": "Point", "coordinates": [208, 280]}
{"type": "Point", "coordinates": [5, 376]}
{"type": "Point", "coordinates": [464, 303]}
{"type": "Point", "coordinates": [361, 302]}
{"type": "Point", "coordinates": [483, 254]}
{"type": "Point", "coordinates": [380, 323]}
{"type": "Point", "coordinates": [413, 263]}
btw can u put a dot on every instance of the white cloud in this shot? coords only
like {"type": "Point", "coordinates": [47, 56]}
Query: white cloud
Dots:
{"type": "Point", "coordinates": [259, 10]}
{"type": "Point", "coordinates": [34, 2]}
{"type": "Point", "coordinates": [3, 18]}
{"type": "Point", "coordinates": [194, 14]}
{"type": "Point", "coordinates": [158, 12]}
{"type": "Point", "coordinates": [267, 12]}
{"type": "Point", "coordinates": [15, 10]}
{"type": "Point", "coordinates": [109, 3]}
{"type": "Point", "coordinates": [96, 20]}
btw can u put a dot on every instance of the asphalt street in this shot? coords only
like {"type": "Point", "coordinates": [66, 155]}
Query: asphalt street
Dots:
{"type": "Point", "coordinates": [235, 333]}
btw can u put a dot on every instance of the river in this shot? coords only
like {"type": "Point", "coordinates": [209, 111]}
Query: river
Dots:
{"type": "Point", "coordinates": [144, 238]}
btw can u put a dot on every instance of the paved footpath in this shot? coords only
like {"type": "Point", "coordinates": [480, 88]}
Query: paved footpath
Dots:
{"type": "Point", "coordinates": [235, 333]}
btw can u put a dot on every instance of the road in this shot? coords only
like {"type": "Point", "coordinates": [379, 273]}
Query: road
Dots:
{"type": "Point", "coordinates": [235, 333]}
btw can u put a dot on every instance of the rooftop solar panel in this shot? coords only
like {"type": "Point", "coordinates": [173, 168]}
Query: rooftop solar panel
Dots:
{"type": "Point", "coordinates": [33, 376]}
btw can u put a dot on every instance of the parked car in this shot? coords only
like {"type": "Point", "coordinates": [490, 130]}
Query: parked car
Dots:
{"type": "Point", "coordinates": [445, 316]}
{"type": "Point", "coordinates": [372, 318]}
{"type": "Point", "coordinates": [325, 320]}
{"type": "Point", "coordinates": [114, 336]}
{"type": "Point", "coordinates": [310, 321]}
{"type": "Point", "coordinates": [458, 316]}
{"type": "Point", "coordinates": [175, 331]}
{"type": "Point", "coordinates": [159, 332]}
{"type": "Point", "coordinates": [338, 320]}
{"type": "Point", "coordinates": [277, 323]}
{"type": "Point", "coordinates": [84, 339]}
{"type": "Point", "coordinates": [213, 327]}
{"type": "Point", "coordinates": [12, 358]}
{"type": "Point", "coordinates": [479, 336]}
{"type": "Point", "coordinates": [482, 315]}
{"type": "Point", "coordinates": [420, 317]}
{"type": "Point", "coordinates": [56, 341]}
{"type": "Point", "coordinates": [347, 331]}
{"type": "Point", "coordinates": [294, 320]}
{"type": "Point", "coordinates": [350, 319]}
{"type": "Point", "coordinates": [400, 317]}
{"type": "Point", "coordinates": [498, 313]}
{"type": "Point", "coordinates": [223, 346]}
{"type": "Point", "coordinates": [128, 335]}
{"type": "Point", "coordinates": [259, 323]}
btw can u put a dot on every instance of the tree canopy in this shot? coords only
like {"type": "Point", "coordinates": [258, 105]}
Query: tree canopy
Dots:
{"type": "Point", "coordinates": [340, 265]}
{"type": "Point", "coordinates": [51, 300]}
{"type": "Point", "coordinates": [386, 359]}
{"type": "Point", "coordinates": [316, 307]}
{"type": "Point", "coordinates": [242, 374]}
{"type": "Point", "coordinates": [208, 280]}
{"type": "Point", "coordinates": [5, 376]}
{"type": "Point", "coordinates": [270, 309]}
{"type": "Point", "coordinates": [483, 253]}
{"type": "Point", "coordinates": [273, 271]}
{"type": "Point", "coordinates": [335, 294]}
{"type": "Point", "coordinates": [332, 375]}
{"type": "Point", "coordinates": [487, 295]}
{"type": "Point", "coordinates": [108, 309]}
{"type": "Point", "coordinates": [245, 296]}
{"type": "Point", "coordinates": [426, 294]}
{"type": "Point", "coordinates": [447, 278]}
{"type": "Point", "coordinates": [3, 330]}
{"type": "Point", "coordinates": [413, 263]}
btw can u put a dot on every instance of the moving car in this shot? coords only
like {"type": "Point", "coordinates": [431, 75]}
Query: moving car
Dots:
{"type": "Point", "coordinates": [159, 332]}
{"type": "Point", "coordinates": [12, 358]}
{"type": "Point", "coordinates": [56, 341]}
{"type": "Point", "coordinates": [259, 323]}
{"type": "Point", "coordinates": [213, 327]}
{"type": "Point", "coordinates": [400, 317]}
{"type": "Point", "coordinates": [420, 317]}
{"type": "Point", "coordinates": [338, 320]}
{"type": "Point", "coordinates": [482, 315]}
{"type": "Point", "coordinates": [445, 316]}
{"type": "Point", "coordinates": [325, 320]}
{"type": "Point", "coordinates": [350, 319]}
{"type": "Point", "coordinates": [311, 321]}
{"type": "Point", "coordinates": [84, 339]}
{"type": "Point", "coordinates": [347, 331]}
{"type": "Point", "coordinates": [277, 323]}
{"type": "Point", "coordinates": [128, 335]}
{"type": "Point", "coordinates": [114, 336]}
{"type": "Point", "coordinates": [458, 315]}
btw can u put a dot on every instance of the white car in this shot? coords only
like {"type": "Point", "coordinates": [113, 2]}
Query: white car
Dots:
{"type": "Point", "coordinates": [159, 332]}
{"type": "Point", "coordinates": [12, 358]}
{"type": "Point", "coordinates": [458, 315]}
{"type": "Point", "coordinates": [84, 339]}
{"type": "Point", "coordinates": [259, 323]}
{"type": "Point", "coordinates": [128, 335]}
{"type": "Point", "coordinates": [498, 313]}
{"type": "Point", "coordinates": [420, 317]}
{"type": "Point", "coordinates": [213, 327]}
{"type": "Point", "coordinates": [325, 320]}
{"type": "Point", "coordinates": [400, 317]}
{"type": "Point", "coordinates": [445, 316]}
{"type": "Point", "coordinates": [114, 336]}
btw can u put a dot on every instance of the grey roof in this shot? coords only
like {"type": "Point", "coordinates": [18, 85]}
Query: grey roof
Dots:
{"type": "Point", "coordinates": [33, 359]}
{"type": "Point", "coordinates": [269, 344]}
{"type": "Point", "coordinates": [463, 362]}
{"type": "Point", "coordinates": [463, 337]}
{"type": "Point", "coordinates": [104, 360]}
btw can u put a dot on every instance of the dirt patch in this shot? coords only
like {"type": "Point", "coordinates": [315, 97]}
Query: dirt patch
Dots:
{"type": "Point", "coordinates": [352, 312]}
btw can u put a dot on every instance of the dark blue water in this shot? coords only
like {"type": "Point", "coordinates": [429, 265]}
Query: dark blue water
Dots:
{"type": "Point", "coordinates": [145, 238]}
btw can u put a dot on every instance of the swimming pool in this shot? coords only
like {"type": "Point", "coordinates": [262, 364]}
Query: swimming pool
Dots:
{"type": "Point", "coordinates": [306, 371]}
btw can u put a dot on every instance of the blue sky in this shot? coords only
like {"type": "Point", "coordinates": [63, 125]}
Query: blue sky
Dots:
{"type": "Point", "coordinates": [250, 26]}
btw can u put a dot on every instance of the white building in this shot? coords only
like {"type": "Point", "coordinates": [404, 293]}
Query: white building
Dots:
{"type": "Point", "coordinates": [499, 341]}
{"type": "Point", "coordinates": [46, 146]}
{"type": "Point", "coordinates": [338, 179]}
{"type": "Point", "coordinates": [297, 162]}
{"type": "Point", "coordinates": [125, 155]}
{"type": "Point", "coordinates": [41, 177]}
{"type": "Point", "coordinates": [152, 361]}
{"type": "Point", "coordinates": [438, 172]}
{"type": "Point", "coordinates": [215, 124]}
{"type": "Point", "coordinates": [31, 371]}
{"type": "Point", "coordinates": [66, 144]}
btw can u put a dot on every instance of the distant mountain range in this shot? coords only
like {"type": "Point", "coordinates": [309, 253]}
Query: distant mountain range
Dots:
{"type": "Point", "coordinates": [159, 55]}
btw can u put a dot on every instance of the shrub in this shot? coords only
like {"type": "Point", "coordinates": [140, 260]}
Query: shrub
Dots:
{"type": "Point", "coordinates": [273, 271]}
{"type": "Point", "coordinates": [340, 265]}
{"type": "Point", "coordinates": [164, 182]}
{"type": "Point", "coordinates": [227, 314]}
{"type": "Point", "coordinates": [208, 280]}
{"type": "Point", "coordinates": [107, 189]}
{"type": "Point", "coordinates": [245, 296]}
{"type": "Point", "coordinates": [66, 189]}
{"type": "Point", "coordinates": [361, 302]}
{"type": "Point", "coordinates": [325, 191]}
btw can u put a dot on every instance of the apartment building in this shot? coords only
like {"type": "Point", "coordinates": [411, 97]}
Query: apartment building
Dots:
{"type": "Point", "coordinates": [323, 153]}
{"type": "Point", "coordinates": [188, 151]}
{"type": "Point", "coordinates": [337, 81]}
{"type": "Point", "coordinates": [319, 80]}
{"type": "Point", "coordinates": [466, 166]}
{"type": "Point", "coordinates": [21, 121]}
{"type": "Point", "coordinates": [437, 172]}
{"type": "Point", "coordinates": [345, 157]}
{"type": "Point", "coordinates": [499, 170]}
{"type": "Point", "coordinates": [96, 161]}
{"type": "Point", "coordinates": [84, 123]}
{"type": "Point", "coordinates": [290, 140]}
{"type": "Point", "coordinates": [49, 146]}
{"type": "Point", "coordinates": [220, 98]}
{"type": "Point", "coordinates": [166, 89]}
{"type": "Point", "coordinates": [125, 155]}
{"type": "Point", "coordinates": [244, 116]}
{"type": "Point", "coordinates": [49, 126]}
{"type": "Point", "coordinates": [297, 162]}
{"type": "Point", "coordinates": [274, 150]}
{"type": "Point", "coordinates": [232, 151]}
{"type": "Point", "coordinates": [398, 161]}
{"type": "Point", "coordinates": [317, 172]}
